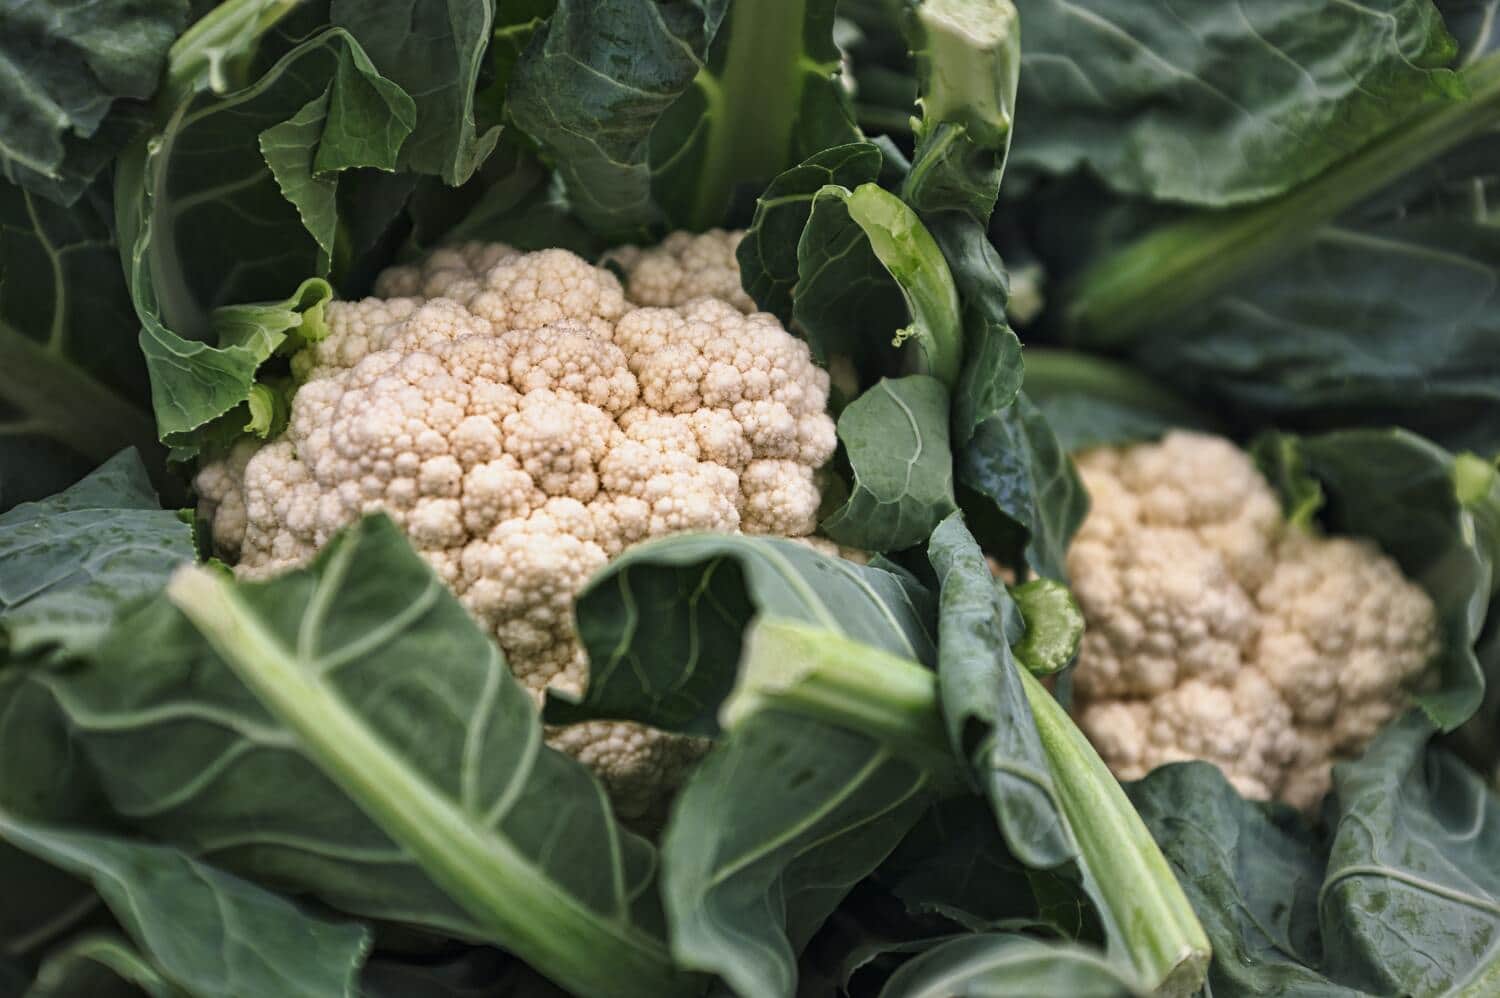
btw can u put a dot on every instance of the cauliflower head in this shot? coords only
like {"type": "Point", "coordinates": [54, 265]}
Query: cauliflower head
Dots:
{"type": "Point", "coordinates": [1217, 631]}
{"type": "Point", "coordinates": [524, 420]}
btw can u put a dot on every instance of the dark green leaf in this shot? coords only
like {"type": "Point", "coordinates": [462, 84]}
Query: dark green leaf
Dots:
{"type": "Point", "coordinates": [69, 563]}
{"type": "Point", "coordinates": [768, 253]}
{"type": "Point", "coordinates": [1411, 901]}
{"type": "Point", "coordinates": [72, 386]}
{"type": "Point", "coordinates": [989, 721]}
{"type": "Point", "coordinates": [590, 89]}
{"type": "Point", "coordinates": [69, 71]}
{"type": "Point", "coordinates": [895, 437]}
{"type": "Point", "coordinates": [1218, 104]}
{"type": "Point", "coordinates": [1020, 492]}
{"type": "Point", "coordinates": [664, 624]}
{"type": "Point", "coordinates": [1253, 873]}
{"type": "Point", "coordinates": [770, 833]}
{"type": "Point", "coordinates": [433, 50]}
{"type": "Point", "coordinates": [365, 663]}
{"type": "Point", "coordinates": [206, 932]}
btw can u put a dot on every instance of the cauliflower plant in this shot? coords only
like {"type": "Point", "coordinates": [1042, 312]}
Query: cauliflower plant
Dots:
{"type": "Point", "coordinates": [1217, 631]}
{"type": "Point", "coordinates": [525, 420]}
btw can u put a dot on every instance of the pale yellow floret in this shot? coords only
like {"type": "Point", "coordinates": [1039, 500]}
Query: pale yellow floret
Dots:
{"type": "Point", "coordinates": [1216, 631]}
{"type": "Point", "coordinates": [524, 422]}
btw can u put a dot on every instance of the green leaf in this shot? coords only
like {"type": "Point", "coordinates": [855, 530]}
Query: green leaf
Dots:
{"type": "Point", "coordinates": [989, 721]}
{"type": "Point", "coordinates": [1401, 492]}
{"type": "Point", "coordinates": [360, 120]}
{"type": "Point", "coordinates": [1411, 901]}
{"type": "Point", "coordinates": [769, 834]}
{"type": "Point", "coordinates": [69, 74]}
{"type": "Point", "coordinates": [208, 933]}
{"type": "Point", "coordinates": [356, 737]}
{"type": "Point", "coordinates": [768, 253]}
{"type": "Point", "coordinates": [591, 88]}
{"type": "Point", "coordinates": [1219, 105]}
{"type": "Point", "coordinates": [895, 437]}
{"type": "Point", "coordinates": [664, 623]}
{"type": "Point", "coordinates": [432, 50]}
{"type": "Point", "coordinates": [1253, 873]}
{"type": "Point", "coordinates": [207, 396]}
{"type": "Point", "coordinates": [1005, 965]}
{"type": "Point", "coordinates": [1021, 495]}
{"type": "Point", "coordinates": [1093, 402]}
{"type": "Point", "coordinates": [73, 389]}
{"type": "Point", "coordinates": [69, 563]}
{"type": "Point", "coordinates": [768, 97]}
{"type": "Point", "coordinates": [1403, 897]}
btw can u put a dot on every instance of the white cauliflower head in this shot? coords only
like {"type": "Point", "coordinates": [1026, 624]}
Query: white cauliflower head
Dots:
{"type": "Point", "coordinates": [684, 266]}
{"type": "Point", "coordinates": [1217, 631]}
{"type": "Point", "coordinates": [524, 422]}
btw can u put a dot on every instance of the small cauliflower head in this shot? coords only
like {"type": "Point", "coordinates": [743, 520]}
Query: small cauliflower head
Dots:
{"type": "Point", "coordinates": [1217, 631]}
{"type": "Point", "coordinates": [524, 420]}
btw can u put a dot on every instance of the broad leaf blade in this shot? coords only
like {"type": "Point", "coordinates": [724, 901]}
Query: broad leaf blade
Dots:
{"type": "Point", "coordinates": [895, 437]}
{"type": "Point", "coordinates": [70, 74]}
{"type": "Point", "coordinates": [394, 768]}
{"type": "Point", "coordinates": [1218, 105]}
{"type": "Point", "coordinates": [1411, 902]}
{"type": "Point", "coordinates": [664, 624]}
{"type": "Point", "coordinates": [770, 833]}
{"type": "Point", "coordinates": [206, 932]}
{"type": "Point", "coordinates": [69, 563]}
{"type": "Point", "coordinates": [73, 389]}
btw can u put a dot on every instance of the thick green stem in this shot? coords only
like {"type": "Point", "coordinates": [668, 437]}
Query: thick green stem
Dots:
{"type": "Point", "coordinates": [753, 101]}
{"type": "Point", "coordinates": [804, 669]}
{"type": "Point", "coordinates": [524, 908]}
{"type": "Point", "coordinates": [1187, 263]}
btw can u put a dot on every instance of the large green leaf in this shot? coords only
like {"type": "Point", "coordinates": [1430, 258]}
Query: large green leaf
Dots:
{"type": "Point", "coordinates": [272, 152]}
{"type": "Point", "coordinates": [664, 624]}
{"type": "Point", "coordinates": [1403, 898]}
{"type": "Point", "coordinates": [770, 833]}
{"type": "Point", "coordinates": [71, 74]}
{"type": "Point", "coordinates": [1437, 515]}
{"type": "Point", "coordinates": [1388, 317]}
{"type": "Point", "coordinates": [1253, 873]}
{"type": "Point", "coordinates": [433, 50]}
{"type": "Point", "coordinates": [590, 89]}
{"type": "Point", "coordinates": [984, 705]}
{"type": "Point", "coordinates": [895, 438]}
{"type": "Point", "coordinates": [1219, 104]}
{"type": "Point", "coordinates": [1411, 900]}
{"type": "Point", "coordinates": [768, 253]}
{"type": "Point", "coordinates": [69, 563]}
{"type": "Point", "coordinates": [347, 731]}
{"type": "Point", "coordinates": [206, 932]}
{"type": "Point", "coordinates": [72, 385]}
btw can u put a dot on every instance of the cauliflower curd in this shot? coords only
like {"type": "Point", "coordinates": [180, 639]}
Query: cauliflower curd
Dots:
{"type": "Point", "coordinates": [524, 421]}
{"type": "Point", "coordinates": [1217, 631]}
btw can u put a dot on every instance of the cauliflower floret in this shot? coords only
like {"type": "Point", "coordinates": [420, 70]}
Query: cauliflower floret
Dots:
{"type": "Point", "coordinates": [1216, 631]}
{"type": "Point", "coordinates": [524, 423]}
{"type": "Point", "coordinates": [685, 266]}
